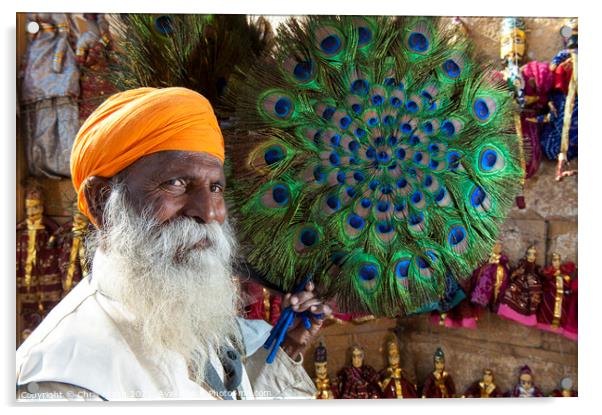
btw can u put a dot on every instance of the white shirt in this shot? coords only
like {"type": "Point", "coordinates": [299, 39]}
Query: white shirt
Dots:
{"type": "Point", "coordinates": [85, 349]}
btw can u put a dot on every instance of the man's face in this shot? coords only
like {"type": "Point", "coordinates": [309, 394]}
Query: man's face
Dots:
{"type": "Point", "coordinates": [357, 358]}
{"type": "Point", "coordinates": [172, 184]}
{"type": "Point", "coordinates": [439, 365]}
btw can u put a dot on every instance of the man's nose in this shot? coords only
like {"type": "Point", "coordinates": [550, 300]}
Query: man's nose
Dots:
{"type": "Point", "coordinates": [201, 207]}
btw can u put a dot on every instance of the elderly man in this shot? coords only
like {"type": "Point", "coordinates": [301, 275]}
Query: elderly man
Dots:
{"type": "Point", "coordinates": [158, 316]}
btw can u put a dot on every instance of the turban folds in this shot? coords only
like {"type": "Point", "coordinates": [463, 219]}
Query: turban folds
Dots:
{"type": "Point", "coordinates": [138, 122]}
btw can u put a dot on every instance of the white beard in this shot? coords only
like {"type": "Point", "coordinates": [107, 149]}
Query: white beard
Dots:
{"type": "Point", "coordinates": [183, 299]}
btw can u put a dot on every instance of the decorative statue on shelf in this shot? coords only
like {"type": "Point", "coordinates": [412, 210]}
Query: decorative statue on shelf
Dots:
{"type": "Point", "coordinates": [525, 388]}
{"type": "Point", "coordinates": [38, 280]}
{"type": "Point", "coordinates": [70, 249]}
{"type": "Point", "coordinates": [360, 381]}
{"type": "Point", "coordinates": [556, 283]}
{"type": "Point", "coordinates": [261, 303]}
{"type": "Point", "coordinates": [325, 390]}
{"type": "Point", "coordinates": [523, 295]}
{"type": "Point", "coordinates": [92, 54]}
{"type": "Point", "coordinates": [439, 383]}
{"type": "Point", "coordinates": [565, 390]}
{"type": "Point", "coordinates": [392, 380]}
{"type": "Point", "coordinates": [560, 130]}
{"type": "Point", "coordinates": [491, 280]}
{"type": "Point", "coordinates": [49, 91]}
{"type": "Point", "coordinates": [484, 388]}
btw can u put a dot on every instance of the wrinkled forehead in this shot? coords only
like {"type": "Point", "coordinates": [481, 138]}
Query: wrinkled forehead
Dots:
{"type": "Point", "coordinates": [169, 163]}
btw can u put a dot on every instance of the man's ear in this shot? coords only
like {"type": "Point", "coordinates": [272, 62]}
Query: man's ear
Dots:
{"type": "Point", "coordinates": [96, 192]}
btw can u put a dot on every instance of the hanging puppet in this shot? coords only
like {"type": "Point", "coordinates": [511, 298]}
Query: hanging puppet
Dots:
{"type": "Point", "coordinates": [560, 129]}
{"type": "Point", "coordinates": [38, 280]}
{"type": "Point", "coordinates": [512, 51]}
{"type": "Point", "coordinates": [378, 138]}
{"type": "Point", "coordinates": [525, 388]}
{"type": "Point", "coordinates": [556, 286]}
{"type": "Point", "coordinates": [523, 295]}
{"type": "Point", "coordinates": [392, 379]}
{"type": "Point", "coordinates": [68, 241]}
{"type": "Point", "coordinates": [359, 381]}
{"type": "Point", "coordinates": [48, 95]}
{"type": "Point", "coordinates": [484, 388]}
{"type": "Point", "coordinates": [491, 280]}
{"type": "Point", "coordinates": [439, 383]}
{"type": "Point", "coordinates": [92, 55]}
{"type": "Point", "coordinates": [324, 388]}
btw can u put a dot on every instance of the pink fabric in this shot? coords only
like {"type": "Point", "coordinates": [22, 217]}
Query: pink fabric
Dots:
{"type": "Point", "coordinates": [510, 314]}
{"type": "Point", "coordinates": [539, 80]}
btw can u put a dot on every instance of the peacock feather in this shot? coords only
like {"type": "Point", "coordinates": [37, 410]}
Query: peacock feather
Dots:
{"type": "Point", "coordinates": [379, 157]}
{"type": "Point", "coordinates": [195, 51]}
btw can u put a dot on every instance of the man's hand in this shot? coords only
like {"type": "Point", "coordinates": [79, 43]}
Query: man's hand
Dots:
{"type": "Point", "coordinates": [298, 337]}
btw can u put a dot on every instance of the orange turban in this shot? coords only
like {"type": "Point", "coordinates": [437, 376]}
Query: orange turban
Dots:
{"type": "Point", "coordinates": [135, 123]}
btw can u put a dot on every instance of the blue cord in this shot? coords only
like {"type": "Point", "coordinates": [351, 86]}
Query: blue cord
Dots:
{"type": "Point", "coordinates": [285, 321]}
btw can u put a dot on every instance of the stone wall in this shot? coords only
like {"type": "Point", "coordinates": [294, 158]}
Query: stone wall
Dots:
{"type": "Point", "coordinates": [550, 221]}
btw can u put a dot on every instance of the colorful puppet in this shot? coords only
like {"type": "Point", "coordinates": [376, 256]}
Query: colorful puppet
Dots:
{"type": "Point", "coordinates": [379, 145]}
{"type": "Point", "coordinates": [560, 126]}
{"type": "Point", "coordinates": [553, 311]}
{"type": "Point", "coordinates": [439, 383]}
{"type": "Point", "coordinates": [392, 379]}
{"type": "Point", "coordinates": [325, 390]}
{"type": "Point", "coordinates": [525, 388]}
{"type": "Point", "coordinates": [38, 280]}
{"type": "Point", "coordinates": [523, 295]}
{"type": "Point", "coordinates": [359, 381]}
{"type": "Point", "coordinates": [491, 280]}
{"type": "Point", "coordinates": [48, 95]}
{"type": "Point", "coordinates": [484, 388]}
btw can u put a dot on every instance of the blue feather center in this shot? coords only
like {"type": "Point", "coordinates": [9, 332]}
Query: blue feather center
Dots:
{"type": "Point", "coordinates": [330, 44]}
{"type": "Point", "coordinates": [418, 42]}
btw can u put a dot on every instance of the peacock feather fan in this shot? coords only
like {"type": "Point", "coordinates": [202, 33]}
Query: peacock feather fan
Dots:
{"type": "Point", "coordinates": [383, 160]}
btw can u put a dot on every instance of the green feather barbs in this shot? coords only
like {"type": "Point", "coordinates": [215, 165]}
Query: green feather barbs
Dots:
{"type": "Point", "coordinates": [385, 162]}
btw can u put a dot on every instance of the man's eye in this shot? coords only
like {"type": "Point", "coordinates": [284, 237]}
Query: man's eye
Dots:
{"type": "Point", "coordinates": [216, 188]}
{"type": "Point", "coordinates": [176, 183]}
